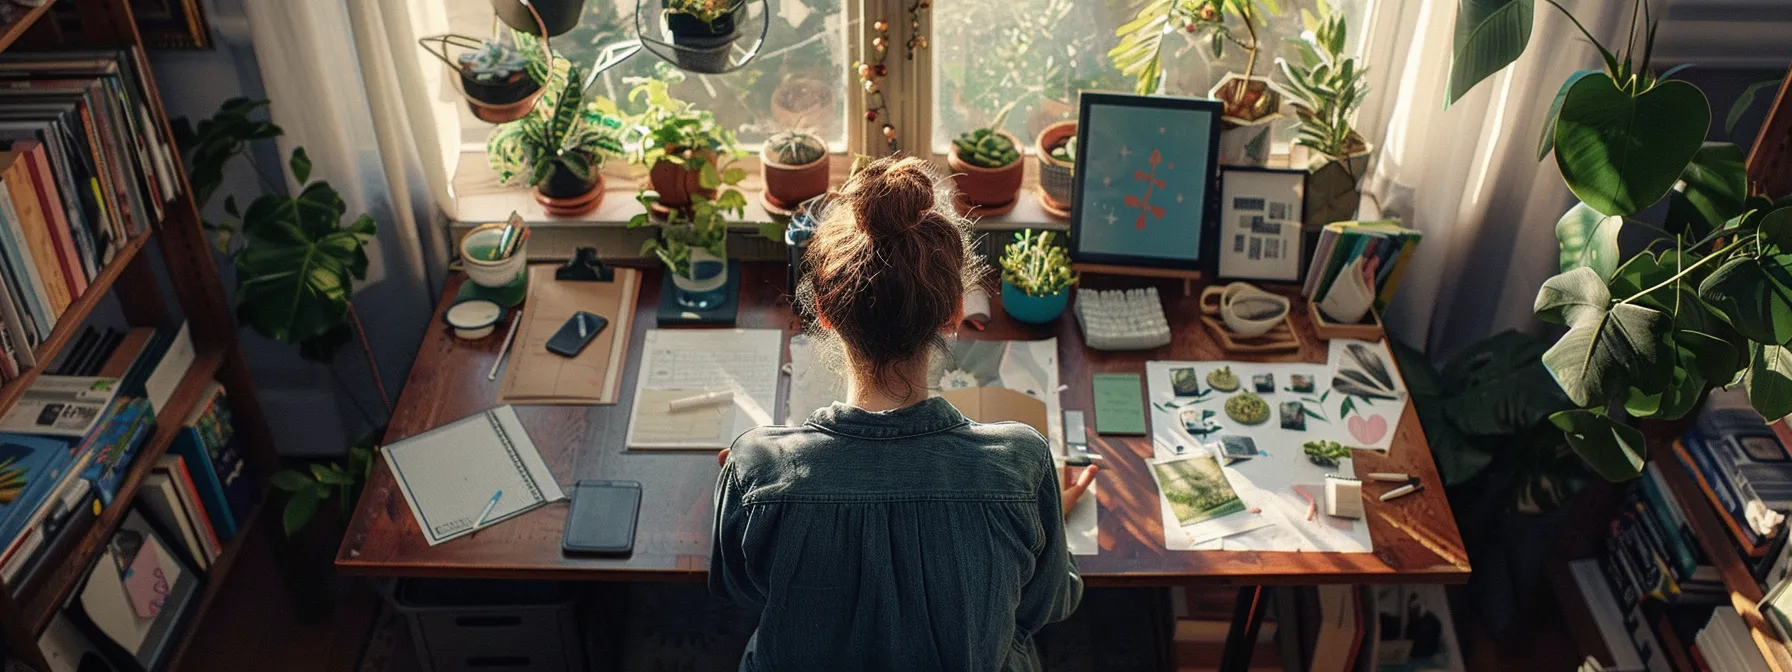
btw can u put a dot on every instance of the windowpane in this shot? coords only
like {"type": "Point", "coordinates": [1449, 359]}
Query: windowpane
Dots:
{"type": "Point", "coordinates": [798, 79]}
{"type": "Point", "coordinates": [1040, 53]}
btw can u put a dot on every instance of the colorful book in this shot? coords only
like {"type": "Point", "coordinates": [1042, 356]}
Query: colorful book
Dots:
{"type": "Point", "coordinates": [30, 469]}
{"type": "Point", "coordinates": [116, 444]}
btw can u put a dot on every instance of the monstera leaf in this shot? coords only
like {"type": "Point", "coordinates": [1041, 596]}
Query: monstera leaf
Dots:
{"type": "Point", "coordinates": [1490, 34]}
{"type": "Point", "coordinates": [1608, 348]}
{"type": "Point", "coordinates": [1620, 151]}
{"type": "Point", "coordinates": [1498, 386]}
{"type": "Point", "coordinates": [297, 271]}
{"type": "Point", "coordinates": [1587, 238]}
{"type": "Point", "coordinates": [1613, 450]}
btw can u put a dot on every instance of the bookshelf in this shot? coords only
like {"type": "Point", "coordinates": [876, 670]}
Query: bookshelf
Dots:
{"type": "Point", "coordinates": [192, 274]}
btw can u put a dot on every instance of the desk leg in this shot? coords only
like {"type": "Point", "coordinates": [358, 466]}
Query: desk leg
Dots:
{"type": "Point", "coordinates": [1247, 620]}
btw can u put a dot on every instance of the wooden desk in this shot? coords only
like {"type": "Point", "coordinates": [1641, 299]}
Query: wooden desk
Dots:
{"type": "Point", "coordinates": [1415, 537]}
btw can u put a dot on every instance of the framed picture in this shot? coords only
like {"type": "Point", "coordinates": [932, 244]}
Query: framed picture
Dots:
{"type": "Point", "coordinates": [1145, 180]}
{"type": "Point", "coordinates": [1260, 224]}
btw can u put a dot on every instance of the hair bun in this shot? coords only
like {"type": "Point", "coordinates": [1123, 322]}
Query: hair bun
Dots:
{"type": "Point", "coordinates": [892, 195]}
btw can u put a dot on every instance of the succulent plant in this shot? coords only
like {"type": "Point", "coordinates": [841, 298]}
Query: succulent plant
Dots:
{"type": "Point", "coordinates": [795, 148]}
{"type": "Point", "coordinates": [1066, 152]}
{"type": "Point", "coordinates": [495, 61]}
{"type": "Point", "coordinates": [987, 147]}
{"type": "Point", "coordinates": [1035, 265]}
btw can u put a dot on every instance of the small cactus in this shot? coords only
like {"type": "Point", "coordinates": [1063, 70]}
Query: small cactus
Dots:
{"type": "Point", "coordinates": [796, 148]}
{"type": "Point", "coordinates": [1066, 152]}
{"type": "Point", "coordinates": [493, 62]}
{"type": "Point", "coordinates": [986, 147]}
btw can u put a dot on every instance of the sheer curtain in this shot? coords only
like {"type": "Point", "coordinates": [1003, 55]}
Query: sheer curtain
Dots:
{"type": "Point", "coordinates": [1468, 176]}
{"type": "Point", "coordinates": [348, 82]}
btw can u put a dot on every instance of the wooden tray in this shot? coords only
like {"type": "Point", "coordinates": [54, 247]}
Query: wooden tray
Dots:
{"type": "Point", "coordinates": [1327, 330]}
{"type": "Point", "coordinates": [1282, 338]}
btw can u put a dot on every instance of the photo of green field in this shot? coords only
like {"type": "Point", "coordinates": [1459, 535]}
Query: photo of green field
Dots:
{"type": "Point", "coordinates": [1196, 489]}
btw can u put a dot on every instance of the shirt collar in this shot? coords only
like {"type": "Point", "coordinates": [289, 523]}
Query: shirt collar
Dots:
{"type": "Point", "coordinates": [931, 415]}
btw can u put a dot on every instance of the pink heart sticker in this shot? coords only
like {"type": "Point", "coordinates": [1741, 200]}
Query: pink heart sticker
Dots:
{"type": "Point", "coordinates": [1367, 429]}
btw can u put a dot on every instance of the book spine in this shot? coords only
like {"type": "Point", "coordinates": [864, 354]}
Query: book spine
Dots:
{"type": "Point", "coordinates": [80, 246]}
{"type": "Point", "coordinates": [54, 251]}
{"type": "Point", "coordinates": [191, 448]}
{"type": "Point", "coordinates": [15, 327]}
{"type": "Point", "coordinates": [39, 255]}
{"type": "Point", "coordinates": [195, 507]}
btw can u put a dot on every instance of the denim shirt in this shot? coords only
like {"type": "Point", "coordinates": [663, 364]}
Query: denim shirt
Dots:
{"type": "Point", "coordinates": [911, 539]}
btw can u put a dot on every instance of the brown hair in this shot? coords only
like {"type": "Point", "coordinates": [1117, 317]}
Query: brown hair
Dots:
{"type": "Point", "coordinates": [889, 265]}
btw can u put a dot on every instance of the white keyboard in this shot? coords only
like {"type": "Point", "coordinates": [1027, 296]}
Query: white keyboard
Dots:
{"type": "Point", "coordinates": [1122, 319]}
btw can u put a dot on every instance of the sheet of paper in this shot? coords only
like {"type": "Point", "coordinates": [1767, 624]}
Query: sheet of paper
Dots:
{"type": "Point", "coordinates": [449, 474]}
{"type": "Point", "coordinates": [1367, 391]}
{"type": "Point", "coordinates": [703, 424]}
{"type": "Point", "coordinates": [1081, 532]}
{"type": "Point", "coordinates": [1119, 404]}
{"type": "Point", "coordinates": [680, 363]}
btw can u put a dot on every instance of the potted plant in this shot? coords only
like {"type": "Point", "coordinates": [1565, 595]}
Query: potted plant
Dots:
{"type": "Point", "coordinates": [556, 17]}
{"type": "Point", "coordinates": [693, 244]}
{"type": "Point", "coordinates": [309, 550]}
{"type": "Point", "coordinates": [1036, 278]}
{"type": "Point", "coordinates": [1056, 152]}
{"type": "Point", "coordinates": [794, 164]}
{"type": "Point", "coordinates": [684, 149]}
{"type": "Point", "coordinates": [703, 32]}
{"type": "Point", "coordinates": [560, 145]}
{"type": "Point", "coordinates": [1327, 88]}
{"type": "Point", "coordinates": [495, 78]}
{"type": "Point", "coordinates": [1252, 103]}
{"type": "Point", "coordinates": [986, 166]}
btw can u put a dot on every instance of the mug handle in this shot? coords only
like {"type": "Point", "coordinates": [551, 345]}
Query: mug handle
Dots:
{"type": "Point", "coordinates": [1213, 290]}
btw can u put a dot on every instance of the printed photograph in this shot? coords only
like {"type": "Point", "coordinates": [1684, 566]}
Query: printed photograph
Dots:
{"type": "Point", "coordinates": [1196, 489]}
{"type": "Point", "coordinates": [1246, 203]}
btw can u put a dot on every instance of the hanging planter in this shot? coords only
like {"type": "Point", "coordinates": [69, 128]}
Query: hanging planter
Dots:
{"type": "Point", "coordinates": [1252, 106]}
{"type": "Point", "coordinates": [540, 17]}
{"type": "Point", "coordinates": [703, 32]}
{"type": "Point", "coordinates": [494, 74]}
{"type": "Point", "coordinates": [1056, 151]}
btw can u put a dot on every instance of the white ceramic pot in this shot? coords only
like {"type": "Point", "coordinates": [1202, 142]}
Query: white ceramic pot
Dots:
{"type": "Point", "coordinates": [1248, 312]}
{"type": "Point", "coordinates": [1246, 143]}
{"type": "Point", "coordinates": [476, 252]}
{"type": "Point", "coordinates": [1350, 295]}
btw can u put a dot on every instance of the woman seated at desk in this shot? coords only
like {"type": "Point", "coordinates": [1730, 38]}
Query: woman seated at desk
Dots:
{"type": "Point", "coordinates": [890, 532]}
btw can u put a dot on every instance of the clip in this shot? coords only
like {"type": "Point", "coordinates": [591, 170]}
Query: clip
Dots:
{"type": "Point", "coordinates": [585, 266]}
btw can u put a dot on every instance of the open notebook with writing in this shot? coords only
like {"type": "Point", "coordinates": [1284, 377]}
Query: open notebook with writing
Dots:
{"type": "Point", "coordinates": [449, 474]}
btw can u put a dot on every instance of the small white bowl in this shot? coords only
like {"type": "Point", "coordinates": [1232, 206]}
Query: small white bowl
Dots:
{"type": "Point", "coordinates": [473, 319]}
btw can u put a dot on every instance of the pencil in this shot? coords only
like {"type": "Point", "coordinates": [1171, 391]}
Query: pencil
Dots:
{"type": "Point", "coordinates": [504, 349]}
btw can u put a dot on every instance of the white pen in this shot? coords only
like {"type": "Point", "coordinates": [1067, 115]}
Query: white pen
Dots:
{"type": "Point", "coordinates": [488, 510]}
{"type": "Point", "coordinates": [582, 334]}
{"type": "Point", "coordinates": [505, 349]}
{"type": "Point", "coordinates": [1401, 491]}
{"type": "Point", "coordinates": [699, 401]}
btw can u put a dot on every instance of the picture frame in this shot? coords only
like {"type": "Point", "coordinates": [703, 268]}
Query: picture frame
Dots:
{"type": "Point", "coordinates": [1259, 230]}
{"type": "Point", "coordinates": [1127, 156]}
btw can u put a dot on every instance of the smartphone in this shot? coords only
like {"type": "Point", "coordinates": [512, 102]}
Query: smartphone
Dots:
{"type": "Point", "coordinates": [602, 519]}
{"type": "Point", "coordinates": [576, 333]}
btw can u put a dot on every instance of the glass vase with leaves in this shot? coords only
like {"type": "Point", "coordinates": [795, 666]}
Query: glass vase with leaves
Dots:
{"type": "Point", "coordinates": [1327, 88]}
{"type": "Point", "coordinates": [693, 244]}
{"type": "Point", "coordinates": [560, 146]}
{"type": "Point", "coordinates": [1706, 303]}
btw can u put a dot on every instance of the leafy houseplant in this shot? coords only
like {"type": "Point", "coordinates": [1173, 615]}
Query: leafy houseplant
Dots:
{"type": "Point", "coordinates": [693, 244]}
{"type": "Point", "coordinates": [560, 145]}
{"type": "Point", "coordinates": [794, 164]}
{"type": "Point", "coordinates": [1327, 88]}
{"type": "Point", "coordinates": [1055, 150]}
{"type": "Point", "coordinates": [685, 150]}
{"type": "Point", "coordinates": [307, 550]}
{"type": "Point", "coordinates": [1036, 277]}
{"type": "Point", "coordinates": [704, 31]}
{"type": "Point", "coordinates": [1708, 303]}
{"type": "Point", "coordinates": [1251, 102]}
{"type": "Point", "coordinates": [986, 166]}
{"type": "Point", "coordinates": [322, 483]}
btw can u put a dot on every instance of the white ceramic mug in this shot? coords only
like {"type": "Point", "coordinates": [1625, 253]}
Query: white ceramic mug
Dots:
{"type": "Point", "coordinates": [1248, 312]}
{"type": "Point", "coordinates": [486, 272]}
{"type": "Point", "coordinates": [1350, 297]}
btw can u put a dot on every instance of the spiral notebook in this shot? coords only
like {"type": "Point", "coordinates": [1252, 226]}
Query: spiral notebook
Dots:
{"type": "Point", "coordinates": [449, 474]}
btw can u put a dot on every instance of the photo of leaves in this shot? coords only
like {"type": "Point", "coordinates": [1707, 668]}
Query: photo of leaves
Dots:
{"type": "Point", "coordinates": [1196, 489]}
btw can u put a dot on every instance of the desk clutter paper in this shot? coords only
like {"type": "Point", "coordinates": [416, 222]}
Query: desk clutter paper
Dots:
{"type": "Point", "coordinates": [684, 363]}
{"type": "Point", "coordinates": [536, 376]}
{"type": "Point", "coordinates": [449, 474]}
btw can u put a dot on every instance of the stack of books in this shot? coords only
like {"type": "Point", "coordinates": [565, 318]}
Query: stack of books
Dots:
{"type": "Point", "coordinates": [1725, 644]}
{"type": "Point", "coordinates": [1745, 473]}
{"type": "Point", "coordinates": [214, 459]}
{"type": "Point", "coordinates": [1385, 247]}
{"type": "Point", "coordinates": [83, 170]}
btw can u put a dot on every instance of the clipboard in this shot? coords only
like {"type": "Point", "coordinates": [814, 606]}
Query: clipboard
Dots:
{"type": "Point", "coordinates": [536, 376]}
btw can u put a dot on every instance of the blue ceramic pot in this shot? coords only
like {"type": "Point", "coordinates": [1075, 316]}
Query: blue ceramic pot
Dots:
{"type": "Point", "coordinates": [1033, 309]}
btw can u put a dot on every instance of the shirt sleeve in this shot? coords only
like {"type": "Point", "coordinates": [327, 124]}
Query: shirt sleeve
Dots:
{"type": "Point", "coordinates": [728, 576]}
{"type": "Point", "coordinates": [1055, 589]}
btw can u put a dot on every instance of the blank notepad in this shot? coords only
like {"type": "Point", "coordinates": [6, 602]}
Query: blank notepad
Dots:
{"type": "Point", "coordinates": [448, 474]}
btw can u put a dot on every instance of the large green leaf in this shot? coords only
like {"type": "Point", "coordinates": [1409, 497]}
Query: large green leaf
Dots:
{"type": "Point", "coordinates": [1776, 228]}
{"type": "Point", "coordinates": [1714, 188]}
{"type": "Point", "coordinates": [1490, 34]}
{"type": "Point", "coordinates": [1606, 350]}
{"type": "Point", "coordinates": [1587, 238]}
{"type": "Point", "coordinates": [1499, 387]}
{"type": "Point", "coordinates": [1548, 142]}
{"type": "Point", "coordinates": [1621, 153]}
{"type": "Point", "coordinates": [1769, 381]}
{"type": "Point", "coordinates": [1755, 295]}
{"type": "Point", "coordinates": [293, 281]}
{"type": "Point", "coordinates": [1615, 451]}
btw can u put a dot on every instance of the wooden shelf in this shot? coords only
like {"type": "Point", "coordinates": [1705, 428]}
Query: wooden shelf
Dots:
{"type": "Point", "coordinates": [1715, 538]}
{"type": "Point", "coordinates": [70, 322]}
{"type": "Point", "coordinates": [14, 30]}
{"type": "Point", "coordinates": [214, 581]}
{"type": "Point", "coordinates": [40, 606]}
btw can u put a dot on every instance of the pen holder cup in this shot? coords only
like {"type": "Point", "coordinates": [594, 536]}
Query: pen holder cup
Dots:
{"type": "Point", "coordinates": [477, 249]}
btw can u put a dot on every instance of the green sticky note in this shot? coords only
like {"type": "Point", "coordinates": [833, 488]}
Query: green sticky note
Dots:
{"type": "Point", "coordinates": [1119, 404]}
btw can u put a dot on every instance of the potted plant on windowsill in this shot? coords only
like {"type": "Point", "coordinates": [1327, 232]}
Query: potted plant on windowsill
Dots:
{"type": "Point", "coordinates": [557, 16]}
{"type": "Point", "coordinates": [703, 32]}
{"type": "Point", "coordinates": [794, 164]}
{"type": "Point", "coordinates": [685, 150]}
{"type": "Point", "coordinates": [1036, 278]}
{"type": "Point", "coordinates": [1252, 103]}
{"type": "Point", "coordinates": [561, 145]}
{"type": "Point", "coordinates": [986, 167]}
{"type": "Point", "coordinates": [1056, 151]}
{"type": "Point", "coordinates": [1327, 88]}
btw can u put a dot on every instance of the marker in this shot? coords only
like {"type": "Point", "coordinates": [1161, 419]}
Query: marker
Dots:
{"type": "Point", "coordinates": [488, 509]}
{"type": "Point", "coordinates": [1387, 477]}
{"type": "Point", "coordinates": [700, 401]}
{"type": "Point", "coordinates": [1401, 491]}
{"type": "Point", "coordinates": [505, 349]}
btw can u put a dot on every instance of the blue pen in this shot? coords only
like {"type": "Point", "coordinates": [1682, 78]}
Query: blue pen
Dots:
{"type": "Point", "coordinates": [488, 509]}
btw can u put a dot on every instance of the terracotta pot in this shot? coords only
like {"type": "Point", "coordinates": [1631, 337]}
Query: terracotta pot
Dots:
{"type": "Point", "coordinates": [993, 190]}
{"type": "Point", "coordinates": [1057, 179]}
{"type": "Point", "coordinates": [565, 195]}
{"type": "Point", "coordinates": [786, 187]}
{"type": "Point", "coordinates": [676, 184]}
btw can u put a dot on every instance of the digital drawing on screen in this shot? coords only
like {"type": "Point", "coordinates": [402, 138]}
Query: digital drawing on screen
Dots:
{"type": "Point", "coordinates": [1145, 181]}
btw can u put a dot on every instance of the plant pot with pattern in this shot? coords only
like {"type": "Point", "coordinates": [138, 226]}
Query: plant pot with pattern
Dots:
{"type": "Point", "coordinates": [1252, 106]}
{"type": "Point", "coordinates": [703, 32]}
{"type": "Point", "coordinates": [693, 244]}
{"type": "Point", "coordinates": [1326, 88]}
{"type": "Point", "coordinates": [560, 146]}
{"type": "Point", "coordinates": [1056, 151]}
{"type": "Point", "coordinates": [794, 165]}
{"type": "Point", "coordinates": [987, 169]}
{"type": "Point", "coordinates": [686, 152]}
{"type": "Point", "coordinates": [558, 16]}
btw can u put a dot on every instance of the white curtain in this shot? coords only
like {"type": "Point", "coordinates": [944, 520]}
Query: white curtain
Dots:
{"type": "Point", "coordinates": [348, 82]}
{"type": "Point", "coordinates": [1468, 177]}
